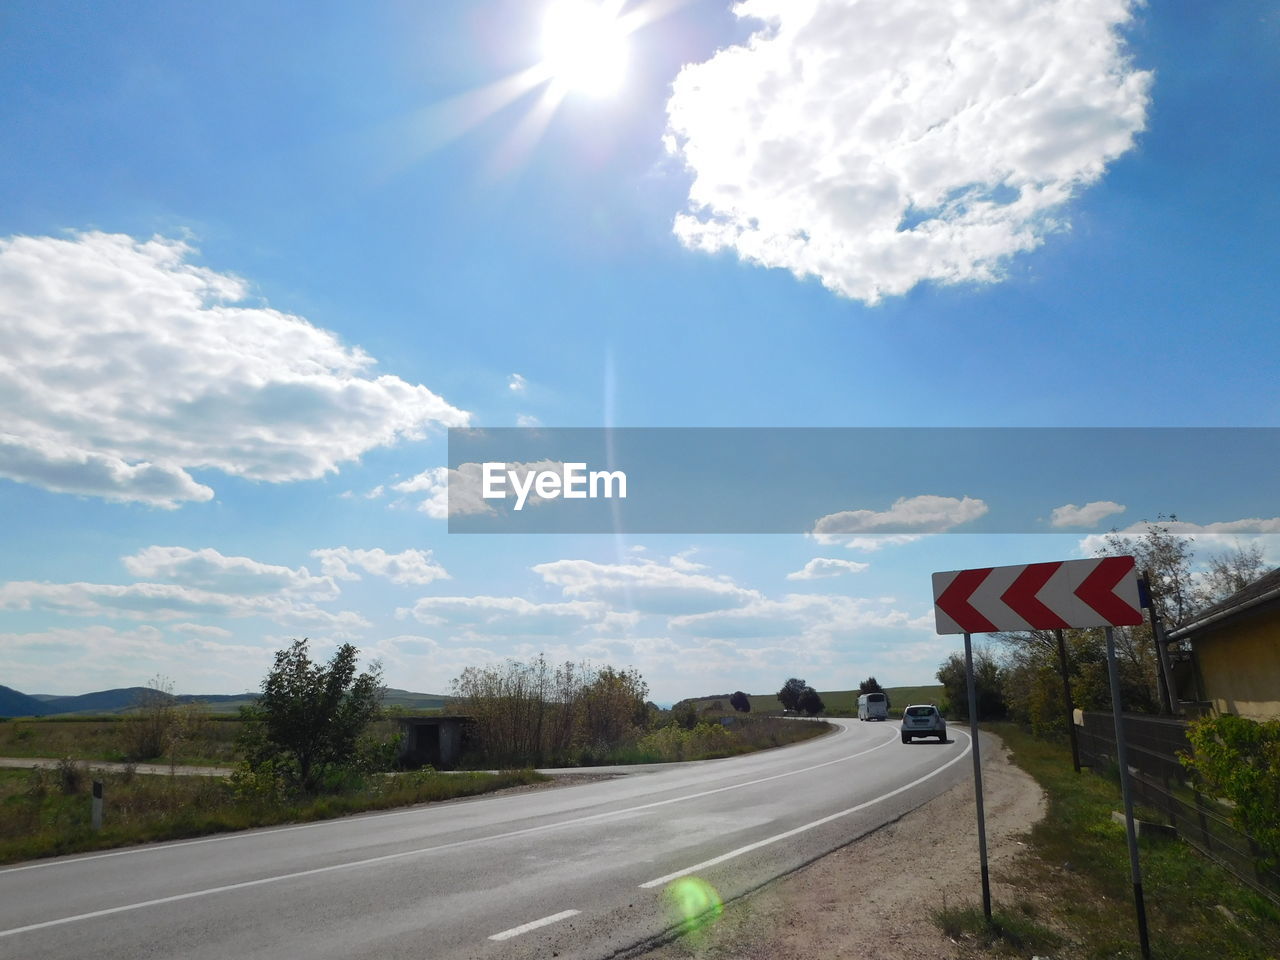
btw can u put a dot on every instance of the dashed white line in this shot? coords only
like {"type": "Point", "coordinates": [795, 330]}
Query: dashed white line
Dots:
{"type": "Point", "coordinates": [801, 829]}
{"type": "Point", "coordinates": [534, 925]}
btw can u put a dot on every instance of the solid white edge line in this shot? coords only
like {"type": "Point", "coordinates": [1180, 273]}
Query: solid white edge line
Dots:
{"type": "Point", "coordinates": [357, 818]}
{"type": "Point", "coordinates": [808, 826]}
{"type": "Point", "coordinates": [534, 925]}
{"type": "Point", "coordinates": [124, 908]}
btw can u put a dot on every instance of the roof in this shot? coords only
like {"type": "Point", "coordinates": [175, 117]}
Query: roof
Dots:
{"type": "Point", "coordinates": [1244, 600]}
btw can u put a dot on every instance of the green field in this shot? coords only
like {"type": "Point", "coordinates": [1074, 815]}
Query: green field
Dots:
{"type": "Point", "coordinates": [837, 701]}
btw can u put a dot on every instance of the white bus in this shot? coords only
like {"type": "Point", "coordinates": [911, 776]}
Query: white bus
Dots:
{"type": "Point", "coordinates": [873, 706]}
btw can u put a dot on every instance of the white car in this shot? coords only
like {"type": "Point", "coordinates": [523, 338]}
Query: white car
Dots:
{"type": "Point", "coordinates": [923, 720]}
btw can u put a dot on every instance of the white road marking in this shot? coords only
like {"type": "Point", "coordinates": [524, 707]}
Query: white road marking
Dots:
{"type": "Point", "coordinates": [801, 829]}
{"type": "Point", "coordinates": [534, 925]}
{"type": "Point", "coordinates": [421, 850]}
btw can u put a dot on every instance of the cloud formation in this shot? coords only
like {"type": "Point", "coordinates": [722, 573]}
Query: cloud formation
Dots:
{"type": "Point", "coordinates": [208, 569]}
{"type": "Point", "coordinates": [408, 566]}
{"type": "Point", "coordinates": [124, 367]}
{"type": "Point", "coordinates": [928, 513]}
{"type": "Point", "coordinates": [820, 567]}
{"type": "Point", "coordinates": [876, 144]}
{"type": "Point", "coordinates": [1090, 515]}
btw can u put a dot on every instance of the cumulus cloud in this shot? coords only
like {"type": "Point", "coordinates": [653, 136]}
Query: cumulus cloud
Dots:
{"type": "Point", "coordinates": [169, 601]}
{"type": "Point", "coordinates": [124, 366]}
{"type": "Point", "coordinates": [820, 567]}
{"type": "Point", "coordinates": [210, 570]}
{"type": "Point", "coordinates": [876, 144]}
{"type": "Point", "coordinates": [1090, 515]}
{"type": "Point", "coordinates": [527, 420]}
{"type": "Point", "coordinates": [517, 383]}
{"type": "Point", "coordinates": [408, 566]}
{"type": "Point", "coordinates": [646, 585]}
{"type": "Point", "coordinates": [505, 615]}
{"type": "Point", "coordinates": [816, 618]}
{"type": "Point", "coordinates": [929, 513]}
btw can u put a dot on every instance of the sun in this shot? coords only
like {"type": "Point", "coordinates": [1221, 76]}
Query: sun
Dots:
{"type": "Point", "coordinates": [584, 46]}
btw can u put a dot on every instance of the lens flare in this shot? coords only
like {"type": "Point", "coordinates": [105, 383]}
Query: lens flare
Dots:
{"type": "Point", "coordinates": [696, 902]}
{"type": "Point", "coordinates": [584, 45]}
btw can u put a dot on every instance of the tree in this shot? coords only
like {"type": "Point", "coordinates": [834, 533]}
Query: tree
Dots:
{"type": "Point", "coordinates": [789, 695]}
{"type": "Point", "coordinates": [1230, 571]}
{"type": "Point", "coordinates": [987, 684]}
{"type": "Point", "coordinates": [740, 702]}
{"type": "Point", "coordinates": [810, 702]}
{"type": "Point", "coordinates": [309, 717]}
{"type": "Point", "coordinates": [872, 685]}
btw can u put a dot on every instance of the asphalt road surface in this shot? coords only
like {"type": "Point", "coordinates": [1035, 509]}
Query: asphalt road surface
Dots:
{"type": "Point", "coordinates": [592, 870]}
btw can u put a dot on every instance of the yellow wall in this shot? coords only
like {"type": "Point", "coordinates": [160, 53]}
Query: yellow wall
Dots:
{"type": "Point", "coordinates": [1240, 663]}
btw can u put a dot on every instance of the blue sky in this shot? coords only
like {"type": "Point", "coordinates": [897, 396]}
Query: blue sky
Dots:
{"type": "Point", "coordinates": [252, 267]}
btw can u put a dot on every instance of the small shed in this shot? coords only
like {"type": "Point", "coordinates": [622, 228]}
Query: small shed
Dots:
{"type": "Point", "coordinates": [1235, 648]}
{"type": "Point", "coordinates": [434, 740]}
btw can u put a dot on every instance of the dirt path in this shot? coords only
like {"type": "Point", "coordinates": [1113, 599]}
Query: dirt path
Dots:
{"type": "Point", "coordinates": [832, 909]}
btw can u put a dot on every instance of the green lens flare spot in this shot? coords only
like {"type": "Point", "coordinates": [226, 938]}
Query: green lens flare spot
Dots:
{"type": "Point", "coordinates": [696, 902]}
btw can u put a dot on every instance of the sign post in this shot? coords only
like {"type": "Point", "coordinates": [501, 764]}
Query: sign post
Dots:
{"type": "Point", "coordinates": [977, 776]}
{"type": "Point", "coordinates": [1043, 596]}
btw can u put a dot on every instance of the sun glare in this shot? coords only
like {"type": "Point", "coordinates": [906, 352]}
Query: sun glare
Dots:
{"type": "Point", "coordinates": [584, 46]}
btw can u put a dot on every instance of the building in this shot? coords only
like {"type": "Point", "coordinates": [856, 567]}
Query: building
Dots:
{"type": "Point", "coordinates": [1235, 650]}
{"type": "Point", "coordinates": [434, 740]}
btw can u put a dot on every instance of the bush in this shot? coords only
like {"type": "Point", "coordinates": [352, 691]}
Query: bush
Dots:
{"type": "Point", "coordinates": [1239, 760]}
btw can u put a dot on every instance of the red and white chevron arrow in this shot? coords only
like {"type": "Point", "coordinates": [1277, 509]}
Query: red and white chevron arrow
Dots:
{"type": "Point", "coordinates": [1041, 596]}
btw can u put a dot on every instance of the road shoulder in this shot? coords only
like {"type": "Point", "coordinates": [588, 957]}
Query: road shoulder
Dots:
{"type": "Point", "coordinates": [874, 898]}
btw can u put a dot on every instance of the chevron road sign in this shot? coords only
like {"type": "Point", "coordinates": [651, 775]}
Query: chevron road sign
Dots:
{"type": "Point", "coordinates": [1040, 596]}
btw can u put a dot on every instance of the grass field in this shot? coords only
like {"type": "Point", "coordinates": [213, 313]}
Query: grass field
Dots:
{"type": "Point", "coordinates": [837, 702]}
{"type": "Point", "coordinates": [1195, 908]}
{"type": "Point", "coordinates": [47, 813]}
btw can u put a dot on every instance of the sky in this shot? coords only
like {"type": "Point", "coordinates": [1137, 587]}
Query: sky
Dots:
{"type": "Point", "coordinates": [255, 263]}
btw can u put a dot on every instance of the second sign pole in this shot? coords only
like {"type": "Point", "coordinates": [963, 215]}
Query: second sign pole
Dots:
{"type": "Point", "coordinates": [977, 775]}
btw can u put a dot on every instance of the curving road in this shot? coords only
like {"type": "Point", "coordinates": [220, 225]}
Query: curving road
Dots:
{"type": "Point", "coordinates": [581, 871]}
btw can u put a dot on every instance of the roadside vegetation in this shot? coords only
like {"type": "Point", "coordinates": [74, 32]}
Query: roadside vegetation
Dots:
{"type": "Point", "coordinates": [47, 813]}
{"type": "Point", "coordinates": [535, 714]}
{"type": "Point", "coordinates": [1195, 908]}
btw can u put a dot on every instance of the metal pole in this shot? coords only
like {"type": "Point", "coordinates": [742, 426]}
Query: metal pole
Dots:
{"type": "Point", "coordinates": [1066, 694]}
{"type": "Point", "coordinates": [977, 777]}
{"type": "Point", "coordinates": [97, 805]}
{"type": "Point", "coordinates": [1135, 870]}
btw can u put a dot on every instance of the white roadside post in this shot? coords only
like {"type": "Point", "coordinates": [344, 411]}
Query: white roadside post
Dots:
{"type": "Point", "coordinates": [97, 805]}
{"type": "Point", "coordinates": [1044, 596]}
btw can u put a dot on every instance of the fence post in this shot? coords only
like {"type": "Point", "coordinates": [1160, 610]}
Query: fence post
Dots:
{"type": "Point", "coordinates": [97, 805]}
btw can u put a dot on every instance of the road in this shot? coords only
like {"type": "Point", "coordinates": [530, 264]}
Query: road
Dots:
{"type": "Point", "coordinates": [581, 871]}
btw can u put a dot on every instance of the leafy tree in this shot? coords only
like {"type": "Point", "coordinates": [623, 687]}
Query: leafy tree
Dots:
{"type": "Point", "coordinates": [740, 702]}
{"type": "Point", "coordinates": [810, 702]}
{"type": "Point", "coordinates": [309, 717]}
{"type": "Point", "coordinates": [872, 685]}
{"type": "Point", "coordinates": [987, 683]}
{"type": "Point", "coordinates": [1239, 760]}
{"type": "Point", "coordinates": [1230, 571]}
{"type": "Point", "coordinates": [684, 715]}
{"type": "Point", "coordinates": [789, 695]}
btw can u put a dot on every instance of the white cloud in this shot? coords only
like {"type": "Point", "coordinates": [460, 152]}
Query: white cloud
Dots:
{"type": "Point", "coordinates": [645, 585]}
{"type": "Point", "coordinates": [527, 420]}
{"type": "Point", "coordinates": [930, 513]}
{"type": "Point", "coordinates": [209, 570]}
{"type": "Point", "coordinates": [874, 542]}
{"type": "Point", "coordinates": [124, 367]}
{"type": "Point", "coordinates": [408, 566]}
{"type": "Point", "coordinates": [875, 144]}
{"type": "Point", "coordinates": [820, 567]}
{"type": "Point", "coordinates": [818, 619]}
{"type": "Point", "coordinates": [169, 601]}
{"type": "Point", "coordinates": [457, 492]}
{"type": "Point", "coordinates": [1090, 515]}
{"type": "Point", "coordinates": [505, 615]}
{"type": "Point", "coordinates": [517, 383]}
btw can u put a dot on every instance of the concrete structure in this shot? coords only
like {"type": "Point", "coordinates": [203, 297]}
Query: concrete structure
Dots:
{"type": "Point", "coordinates": [431, 740]}
{"type": "Point", "coordinates": [1235, 647]}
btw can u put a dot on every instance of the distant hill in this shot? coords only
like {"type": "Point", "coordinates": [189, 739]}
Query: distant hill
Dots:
{"type": "Point", "coordinates": [15, 704]}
